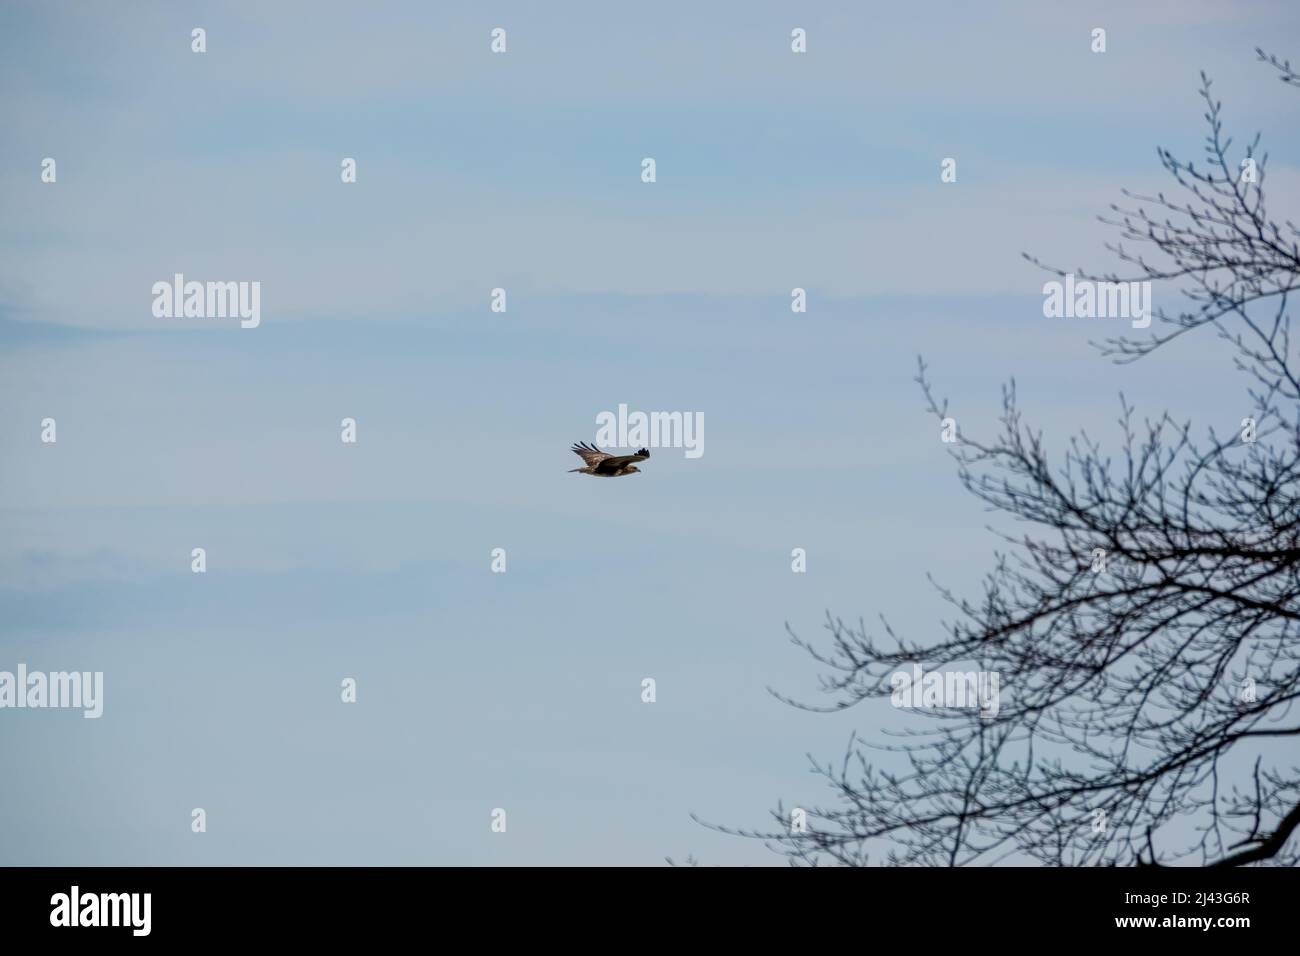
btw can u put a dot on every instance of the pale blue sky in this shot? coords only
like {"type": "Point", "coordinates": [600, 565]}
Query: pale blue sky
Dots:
{"type": "Point", "coordinates": [522, 690]}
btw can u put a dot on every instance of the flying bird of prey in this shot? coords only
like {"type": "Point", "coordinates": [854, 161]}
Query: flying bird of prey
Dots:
{"type": "Point", "coordinates": [604, 465]}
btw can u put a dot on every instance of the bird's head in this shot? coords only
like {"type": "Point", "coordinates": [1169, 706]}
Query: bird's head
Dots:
{"type": "Point", "coordinates": [633, 470]}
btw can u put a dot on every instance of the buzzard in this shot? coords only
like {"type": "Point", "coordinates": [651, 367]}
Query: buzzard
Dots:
{"type": "Point", "coordinates": [604, 465]}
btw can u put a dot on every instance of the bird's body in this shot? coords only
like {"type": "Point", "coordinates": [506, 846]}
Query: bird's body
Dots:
{"type": "Point", "coordinates": [603, 465]}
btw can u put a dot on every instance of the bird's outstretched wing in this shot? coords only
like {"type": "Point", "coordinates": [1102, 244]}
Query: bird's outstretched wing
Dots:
{"type": "Point", "coordinates": [590, 454]}
{"type": "Point", "coordinates": [611, 462]}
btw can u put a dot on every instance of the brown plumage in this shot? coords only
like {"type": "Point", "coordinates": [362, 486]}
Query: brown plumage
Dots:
{"type": "Point", "coordinates": [604, 465]}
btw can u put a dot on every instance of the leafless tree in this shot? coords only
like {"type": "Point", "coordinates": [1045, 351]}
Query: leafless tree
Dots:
{"type": "Point", "coordinates": [1146, 708]}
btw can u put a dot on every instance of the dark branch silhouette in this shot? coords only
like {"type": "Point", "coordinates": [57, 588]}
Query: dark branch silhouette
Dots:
{"type": "Point", "coordinates": [1146, 625]}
